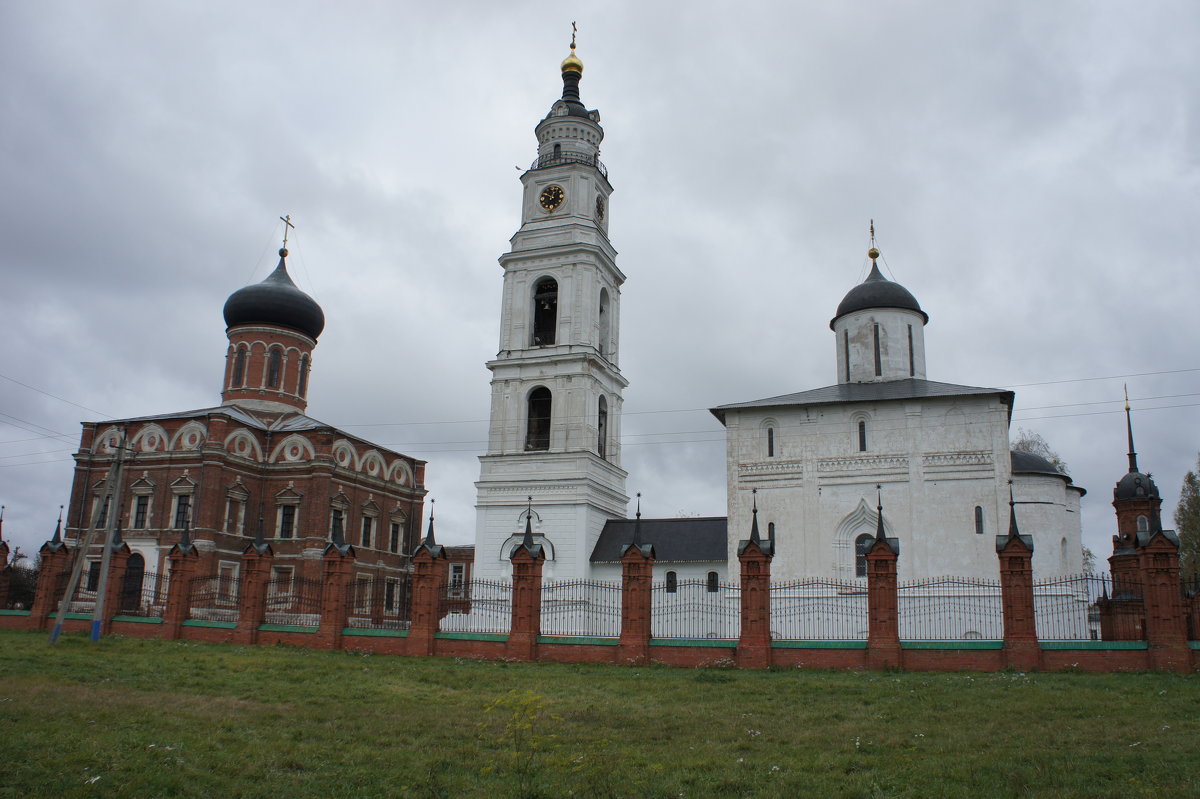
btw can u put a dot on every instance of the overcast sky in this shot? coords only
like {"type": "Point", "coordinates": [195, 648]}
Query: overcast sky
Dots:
{"type": "Point", "coordinates": [1032, 169]}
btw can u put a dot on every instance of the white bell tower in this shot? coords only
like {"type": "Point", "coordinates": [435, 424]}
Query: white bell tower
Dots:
{"type": "Point", "coordinates": [555, 429]}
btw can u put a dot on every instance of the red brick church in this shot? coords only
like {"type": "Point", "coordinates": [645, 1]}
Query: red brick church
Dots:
{"type": "Point", "coordinates": [254, 469]}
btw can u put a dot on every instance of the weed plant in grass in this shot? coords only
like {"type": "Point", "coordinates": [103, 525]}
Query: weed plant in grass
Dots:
{"type": "Point", "coordinates": [137, 718]}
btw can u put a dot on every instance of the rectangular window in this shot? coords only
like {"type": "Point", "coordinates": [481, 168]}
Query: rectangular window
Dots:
{"type": "Point", "coordinates": [336, 521]}
{"type": "Point", "coordinates": [389, 596]}
{"type": "Point", "coordinates": [362, 595]}
{"type": "Point", "coordinates": [141, 505]}
{"type": "Point", "coordinates": [862, 436]}
{"type": "Point", "coordinates": [912, 358]}
{"type": "Point", "coordinates": [368, 528]}
{"type": "Point", "coordinates": [281, 580]}
{"type": "Point", "coordinates": [395, 542]}
{"type": "Point", "coordinates": [227, 582]}
{"type": "Point", "coordinates": [102, 519]}
{"type": "Point", "coordinates": [457, 574]}
{"type": "Point", "coordinates": [846, 349]}
{"type": "Point", "coordinates": [93, 576]}
{"type": "Point", "coordinates": [770, 442]}
{"type": "Point", "coordinates": [878, 358]}
{"type": "Point", "coordinates": [183, 507]}
{"type": "Point", "coordinates": [235, 514]}
{"type": "Point", "coordinates": [287, 521]}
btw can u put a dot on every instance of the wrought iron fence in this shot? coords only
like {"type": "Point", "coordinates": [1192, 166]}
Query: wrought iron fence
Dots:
{"type": "Point", "coordinates": [22, 588]}
{"type": "Point", "coordinates": [479, 606]}
{"type": "Point", "coordinates": [950, 609]}
{"type": "Point", "coordinates": [379, 603]}
{"type": "Point", "coordinates": [581, 607]}
{"type": "Point", "coordinates": [294, 600]}
{"type": "Point", "coordinates": [692, 609]}
{"type": "Point", "coordinates": [1083, 607]}
{"type": "Point", "coordinates": [143, 594]}
{"type": "Point", "coordinates": [817, 609]}
{"type": "Point", "coordinates": [214, 598]}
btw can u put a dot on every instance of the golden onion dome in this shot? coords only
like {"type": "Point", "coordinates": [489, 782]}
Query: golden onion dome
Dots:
{"type": "Point", "coordinates": [572, 63]}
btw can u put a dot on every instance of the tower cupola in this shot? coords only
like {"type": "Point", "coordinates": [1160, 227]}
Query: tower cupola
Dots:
{"type": "Point", "coordinates": [880, 330]}
{"type": "Point", "coordinates": [1135, 498]}
{"type": "Point", "coordinates": [272, 328]}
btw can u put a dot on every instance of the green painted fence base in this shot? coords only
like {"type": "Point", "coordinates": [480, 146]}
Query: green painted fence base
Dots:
{"type": "Point", "coordinates": [472, 636]}
{"type": "Point", "coordinates": [14, 612]}
{"type": "Point", "coordinates": [1100, 645]}
{"type": "Point", "coordinates": [370, 632]}
{"type": "Point", "coordinates": [139, 619]}
{"type": "Point", "coordinates": [223, 625]}
{"type": "Point", "coordinates": [710, 642]}
{"type": "Point", "coordinates": [951, 644]}
{"type": "Point", "coordinates": [285, 628]}
{"type": "Point", "coordinates": [819, 644]}
{"type": "Point", "coordinates": [576, 640]}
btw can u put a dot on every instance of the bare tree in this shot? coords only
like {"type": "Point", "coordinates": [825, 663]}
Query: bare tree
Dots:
{"type": "Point", "coordinates": [1032, 442]}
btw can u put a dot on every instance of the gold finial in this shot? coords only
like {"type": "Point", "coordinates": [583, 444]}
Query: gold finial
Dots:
{"type": "Point", "coordinates": [287, 224]}
{"type": "Point", "coordinates": [572, 63]}
{"type": "Point", "coordinates": [873, 253]}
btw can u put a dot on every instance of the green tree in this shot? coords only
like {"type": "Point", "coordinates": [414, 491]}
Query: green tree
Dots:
{"type": "Point", "coordinates": [1187, 524]}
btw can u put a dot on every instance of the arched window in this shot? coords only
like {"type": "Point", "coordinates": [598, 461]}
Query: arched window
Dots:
{"type": "Point", "coordinates": [672, 583]}
{"type": "Point", "coordinates": [771, 531]}
{"type": "Point", "coordinates": [602, 428]}
{"type": "Point", "coordinates": [239, 367]}
{"type": "Point", "coordinates": [1062, 551]}
{"type": "Point", "coordinates": [912, 357]}
{"type": "Point", "coordinates": [862, 545]}
{"type": "Point", "coordinates": [545, 312]}
{"type": "Point", "coordinates": [1143, 524]}
{"type": "Point", "coordinates": [274, 367]}
{"type": "Point", "coordinates": [862, 436]}
{"type": "Point", "coordinates": [302, 387]}
{"type": "Point", "coordinates": [978, 520]}
{"type": "Point", "coordinates": [605, 324]}
{"type": "Point", "coordinates": [713, 582]}
{"type": "Point", "coordinates": [770, 442]}
{"type": "Point", "coordinates": [537, 430]}
{"type": "Point", "coordinates": [557, 150]}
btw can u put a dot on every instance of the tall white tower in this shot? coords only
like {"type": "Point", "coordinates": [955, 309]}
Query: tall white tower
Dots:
{"type": "Point", "coordinates": [555, 426]}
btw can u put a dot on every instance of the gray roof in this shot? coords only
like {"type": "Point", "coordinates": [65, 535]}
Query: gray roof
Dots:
{"type": "Point", "coordinates": [674, 540]}
{"type": "Point", "coordinates": [877, 292]}
{"type": "Point", "coordinates": [911, 388]}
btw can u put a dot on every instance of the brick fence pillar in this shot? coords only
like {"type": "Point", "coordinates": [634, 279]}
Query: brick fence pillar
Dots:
{"type": "Point", "coordinates": [252, 596]}
{"type": "Point", "coordinates": [754, 642]}
{"type": "Point", "coordinates": [117, 566]}
{"type": "Point", "coordinates": [337, 564]}
{"type": "Point", "coordinates": [51, 583]}
{"type": "Point", "coordinates": [5, 572]}
{"type": "Point", "coordinates": [527, 560]}
{"type": "Point", "coordinates": [1021, 648]}
{"type": "Point", "coordinates": [637, 575]}
{"type": "Point", "coordinates": [184, 563]}
{"type": "Point", "coordinates": [883, 627]}
{"type": "Point", "coordinates": [1166, 624]}
{"type": "Point", "coordinates": [431, 571]}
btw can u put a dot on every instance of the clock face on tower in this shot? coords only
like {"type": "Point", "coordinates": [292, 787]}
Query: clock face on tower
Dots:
{"type": "Point", "coordinates": [552, 197]}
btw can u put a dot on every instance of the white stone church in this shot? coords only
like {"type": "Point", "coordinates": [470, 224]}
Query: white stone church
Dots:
{"type": "Point", "coordinates": [817, 463]}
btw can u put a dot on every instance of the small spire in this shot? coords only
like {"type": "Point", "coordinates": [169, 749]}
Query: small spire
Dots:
{"type": "Point", "coordinates": [879, 534]}
{"type": "Point", "coordinates": [527, 540]}
{"type": "Point", "coordinates": [1133, 467]}
{"type": "Point", "coordinates": [572, 71]}
{"type": "Point", "coordinates": [873, 253]}
{"type": "Point", "coordinates": [57, 539]}
{"type": "Point", "coordinates": [429, 542]}
{"type": "Point", "coordinates": [1013, 532]}
{"type": "Point", "coordinates": [637, 523]}
{"type": "Point", "coordinates": [2, 522]}
{"type": "Point", "coordinates": [754, 536]}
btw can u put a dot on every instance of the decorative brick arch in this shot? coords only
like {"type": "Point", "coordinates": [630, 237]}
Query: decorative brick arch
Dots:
{"type": "Point", "coordinates": [150, 438]}
{"type": "Point", "coordinates": [863, 519]}
{"type": "Point", "coordinates": [293, 449]}
{"type": "Point", "coordinates": [345, 455]}
{"type": "Point", "coordinates": [244, 445]}
{"type": "Point", "coordinates": [191, 436]}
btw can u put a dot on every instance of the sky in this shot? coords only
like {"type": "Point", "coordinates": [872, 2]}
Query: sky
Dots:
{"type": "Point", "coordinates": [1032, 169]}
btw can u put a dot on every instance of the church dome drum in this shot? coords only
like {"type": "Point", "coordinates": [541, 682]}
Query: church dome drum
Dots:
{"type": "Point", "coordinates": [275, 301]}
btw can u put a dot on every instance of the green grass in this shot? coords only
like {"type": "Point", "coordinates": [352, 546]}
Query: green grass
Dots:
{"type": "Point", "coordinates": [140, 718]}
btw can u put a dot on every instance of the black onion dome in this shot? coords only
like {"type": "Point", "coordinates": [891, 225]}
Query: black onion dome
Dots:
{"type": "Point", "coordinates": [877, 292]}
{"type": "Point", "coordinates": [275, 301]}
{"type": "Point", "coordinates": [1027, 463]}
{"type": "Point", "coordinates": [1135, 485]}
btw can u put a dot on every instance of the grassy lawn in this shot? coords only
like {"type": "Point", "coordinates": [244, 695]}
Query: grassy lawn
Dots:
{"type": "Point", "coordinates": [127, 717]}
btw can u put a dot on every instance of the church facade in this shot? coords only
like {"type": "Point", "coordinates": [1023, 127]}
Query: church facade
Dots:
{"type": "Point", "coordinates": [816, 464]}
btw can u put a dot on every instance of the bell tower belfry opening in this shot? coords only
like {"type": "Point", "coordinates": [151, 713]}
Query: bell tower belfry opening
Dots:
{"type": "Point", "coordinates": [555, 426]}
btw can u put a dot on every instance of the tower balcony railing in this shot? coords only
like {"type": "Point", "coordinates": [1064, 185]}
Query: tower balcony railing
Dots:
{"type": "Point", "coordinates": [558, 159]}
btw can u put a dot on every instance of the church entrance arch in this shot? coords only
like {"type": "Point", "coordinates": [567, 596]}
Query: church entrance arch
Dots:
{"type": "Point", "coordinates": [851, 534]}
{"type": "Point", "coordinates": [131, 586]}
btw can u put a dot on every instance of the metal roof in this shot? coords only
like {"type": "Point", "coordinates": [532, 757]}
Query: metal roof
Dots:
{"type": "Point", "coordinates": [886, 391]}
{"type": "Point", "coordinates": [674, 540]}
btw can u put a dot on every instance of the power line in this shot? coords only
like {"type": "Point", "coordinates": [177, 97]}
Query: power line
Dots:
{"type": "Point", "coordinates": [52, 396]}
